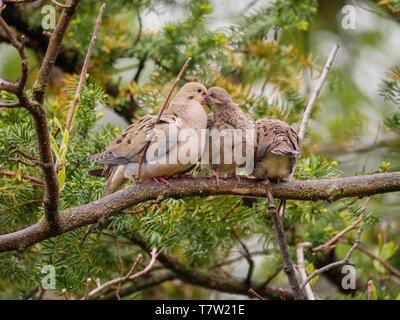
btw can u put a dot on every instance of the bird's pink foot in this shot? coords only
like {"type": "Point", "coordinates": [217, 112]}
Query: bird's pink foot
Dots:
{"type": "Point", "coordinates": [217, 177]}
{"type": "Point", "coordinates": [162, 179]}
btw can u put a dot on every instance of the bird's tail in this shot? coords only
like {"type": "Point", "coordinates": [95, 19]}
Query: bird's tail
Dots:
{"type": "Point", "coordinates": [96, 173]}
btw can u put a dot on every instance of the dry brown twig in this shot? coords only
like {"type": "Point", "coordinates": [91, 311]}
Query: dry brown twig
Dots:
{"type": "Point", "coordinates": [256, 294]}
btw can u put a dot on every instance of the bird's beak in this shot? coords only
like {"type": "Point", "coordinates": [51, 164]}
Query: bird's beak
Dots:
{"type": "Point", "coordinates": [207, 100]}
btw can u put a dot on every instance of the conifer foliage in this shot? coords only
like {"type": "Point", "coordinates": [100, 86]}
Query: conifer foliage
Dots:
{"type": "Point", "coordinates": [201, 240]}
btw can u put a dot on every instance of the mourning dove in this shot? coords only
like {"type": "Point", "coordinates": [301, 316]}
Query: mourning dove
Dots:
{"type": "Point", "coordinates": [278, 148]}
{"type": "Point", "coordinates": [123, 153]}
{"type": "Point", "coordinates": [224, 156]}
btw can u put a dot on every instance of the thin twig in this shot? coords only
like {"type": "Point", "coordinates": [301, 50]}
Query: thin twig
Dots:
{"type": "Point", "coordinates": [88, 282]}
{"type": "Point", "coordinates": [159, 116]}
{"type": "Point", "coordinates": [387, 265]}
{"type": "Point", "coordinates": [129, 276]}
{"type": "Point", "coordinates": [60, 4]}
{"type": "Point", "coordinates": [256, 294]}
{"type": "Point", "coordinates": [65, 292]}
{"type": "Point", "coordinates": [370, 290]}
{"type": "Point", "coordinates": [317, 90]}
{"type": "Point", "coordinates": [300, 266]}
{"type": "Point", "coordinates": [307, 112]}
{"type": "Point", "coordinates": [84, 68]}
{"type": "Point", "coordinates": [335, 264]}
{"type": "Point", "coordinates": [18, 160]}
{"type": "Point", "coordinates": [247, 255]}
{"type": "Point", "coordinates": [354, 225]}
{"type": "Point", "coordinates": [121, 266]}
{"type": "Point", "coordinates": [27, 177]}
{"type": "Point", "coordinates": [15, 149]}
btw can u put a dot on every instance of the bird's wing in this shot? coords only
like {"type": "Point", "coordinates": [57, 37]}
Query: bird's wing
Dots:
{"type": "Point", "coordinates": [128, 146]}
{"type": "Point", "coordinates": [277, 137]}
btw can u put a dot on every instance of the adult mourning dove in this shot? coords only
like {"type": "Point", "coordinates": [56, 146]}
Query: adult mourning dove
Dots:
{"type": "Point", "coordinates": [228, 150]}
{"type": "Point", "coordinates": [278, 148]}
{"type": "Point", "coordinates": [122, 155]}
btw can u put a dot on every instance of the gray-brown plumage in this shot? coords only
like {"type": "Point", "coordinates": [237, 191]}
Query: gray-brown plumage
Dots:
{"type": "Point", "coordinates": [278, 148]}
{"type": "Point", "coordinates": [226, 117]}
{"type": "Point", "coordinates": [122, 155]}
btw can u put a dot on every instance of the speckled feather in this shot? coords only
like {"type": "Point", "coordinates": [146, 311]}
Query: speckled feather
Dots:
{"type": "Point", "coordinates": [278, 148]}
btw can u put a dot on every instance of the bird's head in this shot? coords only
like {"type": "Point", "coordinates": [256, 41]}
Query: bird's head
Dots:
{"type": "Point", "coordinates": [218, 97]}
{"type": "Point", "coordinates": [194, 91]}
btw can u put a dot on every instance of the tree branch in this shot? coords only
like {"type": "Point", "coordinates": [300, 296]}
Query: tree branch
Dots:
{"type": "Point", "coordinates": [346, 260]}
{"type": "Point", "coordinates": [53, 48]}
{"type": "Point", "coordinates": [301, 268]}
{"type": "Point", "coordinates": [111, 205]}
{"type": "Point", "coordinates": [283, 246]}
{"type": "Point", "coordinates": [206, 280]}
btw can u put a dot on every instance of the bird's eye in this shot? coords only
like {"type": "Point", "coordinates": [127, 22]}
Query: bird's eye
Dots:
{"type": "Point", "coordinates": [212, 95]}
{"type": "Point", "coordinates": [199, 90]}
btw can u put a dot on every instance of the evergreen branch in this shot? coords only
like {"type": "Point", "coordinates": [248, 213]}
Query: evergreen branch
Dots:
{"type": "Point", "coordinates": [207, 280]}
{"type": "Point", "coordinates": [52, 193]}
{"type": "Point", "coordinates": [27, 177]}
{"type": "Point", "coordinates": [129, 276]}
{"type": "Point", "coordinates": [346, 261]}
{"type": "Point", "coordinates": [354, 225]}
{"type": "Point", "coordinates": [114, 204]}
{"type": "Point", "coordinates": [19, 205]}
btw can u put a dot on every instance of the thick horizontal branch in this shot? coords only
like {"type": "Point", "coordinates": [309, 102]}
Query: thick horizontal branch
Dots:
{"type": "Point", "coordinates": [329, 189]}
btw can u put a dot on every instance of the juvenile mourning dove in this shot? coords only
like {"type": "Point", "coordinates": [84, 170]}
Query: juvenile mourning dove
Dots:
{"type": "Point", "coordinates": [223, 156]}
{"type": "Point", "coordinates": [278, 148]}
{"type": "Point", "coordinates": [162, 159]}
